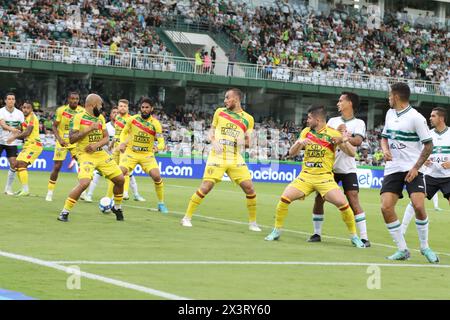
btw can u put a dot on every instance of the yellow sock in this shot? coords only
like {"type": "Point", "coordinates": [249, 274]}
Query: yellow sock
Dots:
{"type": "Point", "coordinates": [110, 192]}
{"type": "Point", "coordinates": [349, 218]}
{"type": "Point", "coordinates": [159, 188]}
{"type": "Point", "coordinates": [282, 211]}
{"type": "Point", "coordinates": [51, 185]}
{"type": "Point", "coordinates": [195, 201]}
{"type": "Point", "coordinates": [251, 206]}
{"type": "Point", "coordinates": [68, 205]}
{"type": "Point", "coordinates": [126, 185]}
{"type": "Point", "coordinates": [23, 176]}
{"type": "Point", "coordinates": [118, 199]}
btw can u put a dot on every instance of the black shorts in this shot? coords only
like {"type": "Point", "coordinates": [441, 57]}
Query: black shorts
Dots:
{"type": "Point", "coordinates": [436, 184]}
{"type": "Point", "coordinates": [395, 183]}
{"type": "Point", "coordinates": [349, 180]}
{"type": "Point", "coordinates": [11, 151]}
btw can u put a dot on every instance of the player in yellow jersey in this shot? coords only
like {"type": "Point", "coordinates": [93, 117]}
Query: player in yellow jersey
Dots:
{"type": "Point", "coordinates": [319, 142]}
{"type": "Point", "coordinates": [229, 135]}
{"type": "Point", "coordinates": [32, 146]}
{"type": "Point", "coordinates": [63, 116]}
{"type": "Point", "coordinates": [89, 133]}
{"type": "Point", "coordinates": [137, 145]}
{"type": "Point", "coordinates": [119, 123]}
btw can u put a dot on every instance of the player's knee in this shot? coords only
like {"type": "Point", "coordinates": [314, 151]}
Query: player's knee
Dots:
{"type": "Point", "coordinates": [206, 187]}
{"type": "Point", "coordinates": [418, 207]}
{"type": "Point", "coordinates": [386, 208]}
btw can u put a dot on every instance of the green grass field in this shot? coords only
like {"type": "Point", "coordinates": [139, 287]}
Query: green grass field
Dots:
{"type": "Point", "coordinates": [160, 258]}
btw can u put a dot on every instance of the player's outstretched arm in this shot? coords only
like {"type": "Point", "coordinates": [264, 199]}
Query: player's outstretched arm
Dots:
{"type": "Point", "coordinates": [347, 148]}
{"type": "Point", "coordinates": [4, 126]}
{"type": "Point", "coordinates": [21, 135]}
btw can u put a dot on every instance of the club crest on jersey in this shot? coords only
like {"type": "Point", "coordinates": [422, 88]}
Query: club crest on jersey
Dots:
{"type": "Point", "coordinates": [210, 171]}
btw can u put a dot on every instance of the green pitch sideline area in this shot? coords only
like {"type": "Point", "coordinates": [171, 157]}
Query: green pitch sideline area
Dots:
{"type": "Point", "coordinates": [150, 256]}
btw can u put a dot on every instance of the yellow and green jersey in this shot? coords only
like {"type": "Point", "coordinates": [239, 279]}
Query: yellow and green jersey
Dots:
{"type": "Point", "coordinates": [64, 115]}
{"type": "Point", "coordinates": [31, 120]}
{"type": "Point", "coordinates": [81, 122]}
{"type": "Point", "coordinates": [142, 134]}
{"type": "Point", "coordinates": [320, 154]}
{"type": "Point", "coordinates": [230, 130]}
{"type": "Point", "coordinates": [119, 124]}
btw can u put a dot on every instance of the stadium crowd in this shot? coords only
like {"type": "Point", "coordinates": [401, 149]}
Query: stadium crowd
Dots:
{"type": "Point", "coordinates": [271, 36]}
{"type": "Point", "coordinates": [274, 36]}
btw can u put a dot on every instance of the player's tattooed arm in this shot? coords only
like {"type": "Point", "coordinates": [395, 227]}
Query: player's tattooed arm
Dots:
{"type": "Point", "coordinates": [426, 151]}
{"type": "Point", "coordinates": [424, 155]}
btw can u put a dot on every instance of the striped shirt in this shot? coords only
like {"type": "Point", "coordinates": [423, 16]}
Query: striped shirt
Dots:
{"type": "Point", "coordinates": [440, 154]}
{"type": "Point", "coordinates": [406, 131]}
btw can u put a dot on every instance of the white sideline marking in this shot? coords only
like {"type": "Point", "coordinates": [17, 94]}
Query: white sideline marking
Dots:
{"type": "Point", "coordinates": [92, 276]}
{"type": "Point", "coordinates": [305, 263]}
{"type": "Point", "coordinates": [270, 227]}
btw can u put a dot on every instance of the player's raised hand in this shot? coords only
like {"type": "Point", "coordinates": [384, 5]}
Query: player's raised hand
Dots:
{"type": "Point", "coordinates": [428, 163]}
{"type": "Point", "coordinates": [339, 140]}
{"type": "Point", "coordinates": [412, 174]}
{"type": "Point", "coordinates": [446, 165]}
{"type": "Point", "coordinates": [62, 143]}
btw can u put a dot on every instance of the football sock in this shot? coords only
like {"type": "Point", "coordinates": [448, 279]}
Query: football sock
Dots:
{"type": "Point", "coordinates": [282, 211]}
{"type": "Point", "coordinates": [409, 214]}
{"type": "Point", "coordinates": [317, 223]}
{"type": "Point", "coordinates": [68, 205]}
{"type": "Point", "coordinates": [251, 207]}
{"type": "Point", "coordinates": [118, 200]}
{"type": "Point", "coordinates": [195, 201]}
{"type": "Point", "coordinates": [436, 201]}
{"type": "Point", "coordinates": [126, 185]}
{"type": "Point", "coordinates": [93, 184]}
{"type": "Point", "coordinates": [349, 218]}
{"type": "Point", "coordinates": [110, 191]}
{"type": "Point", "coordinates": [395, 229]}
{"type": "Point", "coordinates": [22, 173]}
{"type": "Point", "coordinates": [10, 179]}
{"type": "Point", "coordinates": [360, 220]}
{"type": "Point", "coordinates": [422, 230]}
{"type": "Point", "coordinates": [159, 188]}
{"type": "Point", "coordinates": [133, 185]}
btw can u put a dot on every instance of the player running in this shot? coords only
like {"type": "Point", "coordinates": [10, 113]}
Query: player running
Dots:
{"type": "Point", "coordinates": [137, 141]}
{"type": "Point", "coordinates": [437, 174]}
{"type": "Point", "coordinates": [229, 135]}
{"type": "Point", "coordinates": [406, 143]}
{"type": "Point", "coordinates": [11, 120]}
{"type": "Point", "coordinates": [88, 131]}
{"type": "Point", "coordinates": [344, 167]}
{"type": "Point", "coordinates": [63, 116]}
{"type": "Point", "coordinates": [31, 149]}
{"type": "Point", "coordinates": [320, 143]}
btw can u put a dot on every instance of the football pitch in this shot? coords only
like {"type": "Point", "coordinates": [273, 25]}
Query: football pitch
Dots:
{"type": "Point", "coordinates": [150, 256]}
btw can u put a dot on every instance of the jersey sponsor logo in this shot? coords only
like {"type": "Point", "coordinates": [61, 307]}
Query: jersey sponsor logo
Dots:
{"type": "Point", "coordinates": [141, 138]}
{"type": "Point", "coordinates": [314, 151]}
{"type": "Point", "coordinates": [398, 146]}
{"type": "Point", "coordinates": [141, 149]}
{"type": "Point", "coordinates": [143, 128]}
{"type": "Point", "coordinates": [321, 142]}
{"type": "Point", "coordinates": [230, 130]}
{"type": "Point", "coordinates": [314, 164]}
{"type": "Point", "coordinates": [233, 120]}
{"type": "Point", "coordinates": [228, 142]}
{"type": "Point", "coordinates": [67, 115]}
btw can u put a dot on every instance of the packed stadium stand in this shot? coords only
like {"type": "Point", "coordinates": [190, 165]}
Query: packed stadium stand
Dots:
{"type": "Point", "coordinates": [285, 41]}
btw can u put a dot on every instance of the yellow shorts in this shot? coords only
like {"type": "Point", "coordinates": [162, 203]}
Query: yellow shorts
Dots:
{"type": "Point", "coordinates": [130, 159]}
{"type": "Point", "coordinates": [116, 156]}
{"type": "Point", "coordinates": [101, 161]}
{"type": "Point", "coordinates": [237, 172]}
{"type": "Point", "coordinates": [61, 152]}
{"type": "Point", "coordinates": [30, 152]}
{"type": "Point", "coordinates": [308, 183]}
